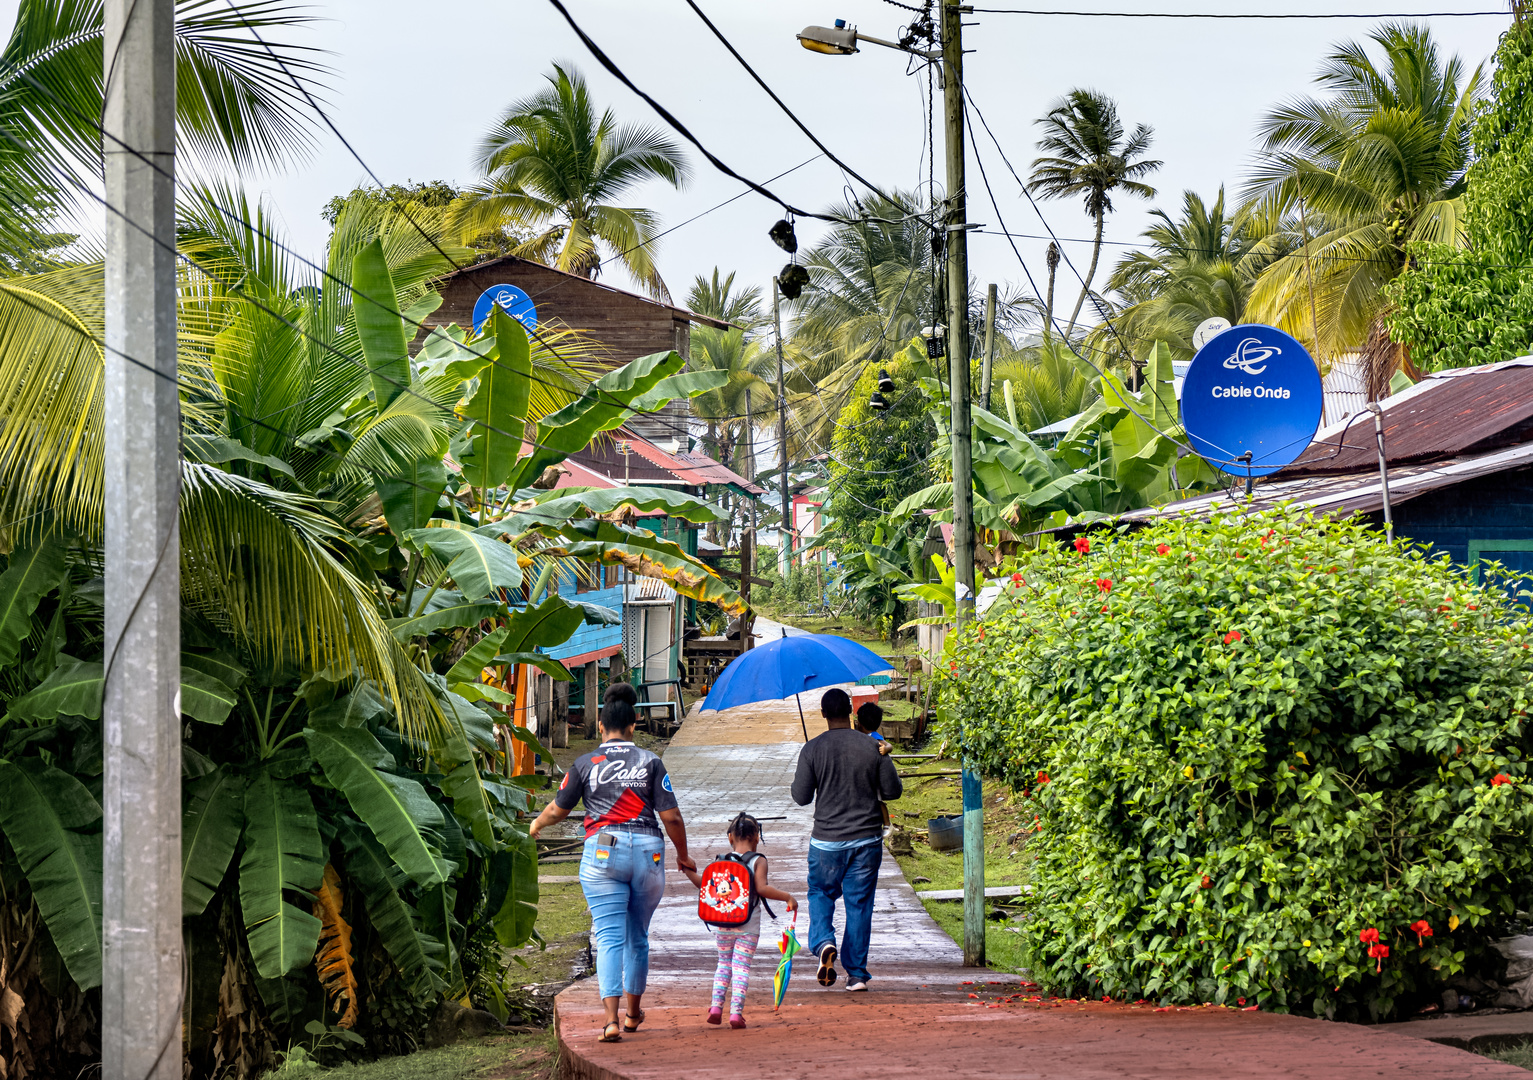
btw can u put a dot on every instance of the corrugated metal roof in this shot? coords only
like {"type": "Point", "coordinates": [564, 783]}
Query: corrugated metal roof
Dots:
{"type": "Point", "coordinates": [649, 463]}
{"type": "Point", "coordinates": [1448, 414]}
{"type": "Point", "coordinates": [1355, 493]}
{"type": "Point", "coordinates": [1342, 391]}
{"type": "Point", "coordinates": [648, 590]}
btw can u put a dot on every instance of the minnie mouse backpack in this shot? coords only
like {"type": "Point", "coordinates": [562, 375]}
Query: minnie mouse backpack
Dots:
{"type": "Point", "coordinates": [728, 897]}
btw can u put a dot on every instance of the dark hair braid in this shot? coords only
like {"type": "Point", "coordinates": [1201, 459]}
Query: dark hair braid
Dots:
{"type": "Point", "coordinates": [744, 827]}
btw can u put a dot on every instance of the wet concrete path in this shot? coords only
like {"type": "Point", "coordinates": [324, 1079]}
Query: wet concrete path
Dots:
{"type": "Point", "coordinates": [926, 1016]}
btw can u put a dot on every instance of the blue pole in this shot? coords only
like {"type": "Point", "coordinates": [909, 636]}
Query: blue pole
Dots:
{"type": "Point", "coordinates": [973, 870]}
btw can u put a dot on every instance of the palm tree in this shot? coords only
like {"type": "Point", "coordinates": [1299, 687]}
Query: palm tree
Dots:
{"type": "Point", "coordinates": [553, 164]}
{"type": "Point", "coordinates": [872, 288]}
{"type": "Point", "coordinates": [239, 101]}
{"type": "Point", "coordinates": [1087, 155]}
{"type": "Point", "coordinates": [1348, 179]}
{"type": "Point", "coordinates": [716, 298]}
{"type": "Point", "coordinates": [1042, 384]}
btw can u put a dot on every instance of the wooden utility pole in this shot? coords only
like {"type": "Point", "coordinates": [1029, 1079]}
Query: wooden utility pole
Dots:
{"type": "Point", "coordinates": [593, 698]}
{"type": "Point", "coordinates": [785, 552]}
{"type": "Point", "coordinates": [984, 379]}
{"type": "Point", "coordinates": [748, 533]}
{"type": "Point", "coordinates": [141, 986]}
{"type": "Point", "coordinates": [955, 219]}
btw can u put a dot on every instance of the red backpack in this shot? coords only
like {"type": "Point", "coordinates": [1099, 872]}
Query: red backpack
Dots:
{"type": "Point", "coordinates": [728, 895]}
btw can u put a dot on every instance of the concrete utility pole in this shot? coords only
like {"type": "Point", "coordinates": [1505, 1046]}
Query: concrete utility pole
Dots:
{"type": "Point", "coordinates": [141, 884]}
{"type": "Point", "coordinates": [956, 221]}
{"type": "Point", "coordinates": [785, 552]}
{"type": "Point", "coordinates": [748, 533]}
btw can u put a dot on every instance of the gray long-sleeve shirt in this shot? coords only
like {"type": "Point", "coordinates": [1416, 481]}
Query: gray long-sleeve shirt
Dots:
{"type": "Point", "coordinates": [842, 771]}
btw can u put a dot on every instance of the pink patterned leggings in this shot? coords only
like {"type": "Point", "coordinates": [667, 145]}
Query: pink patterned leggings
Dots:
{"type": "Point", "coordinates": [733, 975]}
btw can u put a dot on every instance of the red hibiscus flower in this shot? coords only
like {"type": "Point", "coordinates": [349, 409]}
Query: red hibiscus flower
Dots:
{"type": "Point", "coordinates": [1206, 883]}
{"type": "Point", "coordinates": [1421, 929]}
{"type": "Point", "coordinates": [982, 633]}
{"type": "Point", "coordinates": [1016, 579]}
{"type": "Point", "coordinates": [953, 666]}
{"type": "Point", "coordinates": [1104, 584]}
{"type": "Point", "coordinates": [1499, 779]}
{"type": "Point", "coordinates": [1232, 637]}
{"type": "Point", "coordinates": [1043, 777]}
{"type": "Point", "coordinates": [1368, 935]}
{"type": "Point", "coordinates": [1161, 549]}
{"type": "Point", "coordinates": [1379, 953]}
{"type": "Point", "coordinates": [1083, 546]}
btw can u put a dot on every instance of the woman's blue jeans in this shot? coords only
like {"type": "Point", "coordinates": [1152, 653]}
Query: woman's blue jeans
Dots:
{"type": "Point", "coordinates": [622, 889]}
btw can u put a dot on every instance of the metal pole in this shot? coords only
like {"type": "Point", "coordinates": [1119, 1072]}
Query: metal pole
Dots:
{"type": "Point", "coordinates": [141, 727]}
{"type": "Point", "coordinates": [955, 220]}
{"type": "Point", "coordinates": [984, 378]}
{"type": "Point", "coordinates": [784, 556]}
{"type": "Point", "coordinates": [1378, 435]}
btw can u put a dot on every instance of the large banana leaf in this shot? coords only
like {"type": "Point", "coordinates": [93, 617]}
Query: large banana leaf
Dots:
{"type": "Point", "coordinates": [499, 406]}
{"type": "Point", "coordinates": [463, 677]}
{"type": "Point", "coordinates": [396, 808]}
{"type": "Point", "coordinates": [543, 625]}
{"type": "Point", "coordinates": [642, 552]}
{"type": "Point", "coordinates": [374, 303]}
{"type": "Point", "coordinates": [602, 407]}
{"type": "Point", "coordinates": [31, 575]}
{"type": "Point", "coordinates": [515, 915]}
{"type": "Point", "coordinates": [477, 563]}
{"type": "Point", "coordinates": [438, 920]}
{"type": "Point", "coordinates": [469, 613]}
{"type": "Point", "coordinates": [583, 502]}
{"type": "Point", "coordinates": [282, 853]}
{"type": "Point", "coordinates": [211, 822]}
{"type": "Point", "coordinates": [42, 810]}
{"type": "Point", "coordinates": [74, 688]}
{"type": "Point", "coordinates": [688, 384]}
{"type": "Point", "coordinates": [418, 958]}
{"type": "Point", "coordinates": [410, 497]}
{"type": "Point", "coordinates": [468, 729]}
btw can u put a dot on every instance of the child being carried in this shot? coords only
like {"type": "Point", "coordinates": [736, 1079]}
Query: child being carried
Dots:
{"type": "Point", "coordinates": [732, 889]}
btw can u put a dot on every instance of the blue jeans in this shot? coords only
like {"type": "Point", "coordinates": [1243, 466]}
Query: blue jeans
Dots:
{"type": "Point", "coordinates": [622, 890]}
{"type": "Point", "coordinates": [852, 875]}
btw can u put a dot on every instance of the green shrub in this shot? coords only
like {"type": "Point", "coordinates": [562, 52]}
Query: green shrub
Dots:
{"type": "Point", "coordinates": [1246, 741]}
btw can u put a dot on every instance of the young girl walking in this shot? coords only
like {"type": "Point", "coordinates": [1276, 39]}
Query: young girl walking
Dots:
{"type": "Point", "coordinates": [737, 945]}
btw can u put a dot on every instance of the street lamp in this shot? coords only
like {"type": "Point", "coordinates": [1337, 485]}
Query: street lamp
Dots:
{"type": "Point", "coordinates": [842, 40]}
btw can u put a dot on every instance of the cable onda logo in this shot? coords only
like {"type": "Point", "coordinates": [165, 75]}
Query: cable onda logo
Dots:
{"type": "Point", "coordinates": [1251, 356]}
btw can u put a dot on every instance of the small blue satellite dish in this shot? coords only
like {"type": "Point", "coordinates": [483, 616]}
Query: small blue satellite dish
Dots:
{"type": "Point", "coordinates": [516, 303]}
{"type": "Point", "coordinates": [1251, 389]}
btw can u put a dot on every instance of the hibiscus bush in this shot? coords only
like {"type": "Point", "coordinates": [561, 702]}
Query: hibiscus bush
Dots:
{"type": "Point", "coordinates": [1269, 759]}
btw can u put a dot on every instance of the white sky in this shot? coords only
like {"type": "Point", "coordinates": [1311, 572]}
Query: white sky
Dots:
{"type": "Point", "coordinates": [415, 85]}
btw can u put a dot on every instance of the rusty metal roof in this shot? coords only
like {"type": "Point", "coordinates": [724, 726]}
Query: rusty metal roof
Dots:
{"type": "Point", "coordinates": [649, 463]}
{"type": "Point", "coordinates": [1449, 414]}
{"type": "Point", "coordinates": [1342, 496]}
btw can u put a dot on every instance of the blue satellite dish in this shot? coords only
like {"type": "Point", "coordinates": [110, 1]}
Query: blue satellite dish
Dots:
{"type": "Point", "coordinates": [514, 301]}
{"type": "Point", "coordinates": [1251, 388]}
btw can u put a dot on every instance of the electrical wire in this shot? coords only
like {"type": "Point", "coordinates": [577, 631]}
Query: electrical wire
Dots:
{"type": "Point", "coordinates": [1241, 14]}
{"type": "Point", "coordinates": [781, 104]}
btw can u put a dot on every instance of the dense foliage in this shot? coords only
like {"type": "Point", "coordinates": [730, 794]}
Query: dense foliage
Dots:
{"type": "Point", "coordinates": [1456, 307]}
{"type": "Point", "coordinates": [1246, 742]}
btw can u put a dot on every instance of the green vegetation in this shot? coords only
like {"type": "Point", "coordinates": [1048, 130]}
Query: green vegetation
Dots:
{"type": "Point", "coordinates": [499, 1057]}
{"type": "Point", "coordinates": [1520, 1056]}
{"type": "Point", "coordinates": [1248, 741]}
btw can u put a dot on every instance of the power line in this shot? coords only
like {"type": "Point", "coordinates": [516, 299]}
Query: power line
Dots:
{"type": "Point", "coordinates": [1242, 15]}
{"type": "Point", "coordinates": [782, 104]}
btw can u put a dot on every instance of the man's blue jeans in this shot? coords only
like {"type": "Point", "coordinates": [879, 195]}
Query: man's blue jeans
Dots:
{"type": "Point", "coordinates": [852, 875]}
{"type": "Point", "coordinates": [622, 889]}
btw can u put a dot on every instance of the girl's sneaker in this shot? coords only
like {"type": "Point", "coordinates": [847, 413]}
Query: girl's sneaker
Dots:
{"type": "Point", "coordinates": [737, 1021]}
{"type": "Point", "coordinates": [715, 1015]}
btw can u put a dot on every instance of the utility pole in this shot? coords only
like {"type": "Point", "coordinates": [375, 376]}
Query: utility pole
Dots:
{"type": "Point", "coordinates": [141, 727]}
{"type": "Point", "coordinates": [748, 533]}
{"type": "Point", "coordinates": [955, 221]}
{"type": "Point", "coordinates": [785, 553]}
{"type": "Point", "coordinates": [984, 378]}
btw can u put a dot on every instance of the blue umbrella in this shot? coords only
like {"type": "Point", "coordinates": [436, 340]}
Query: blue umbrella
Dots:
{"type": "Point", "coordinates": [789, 666]}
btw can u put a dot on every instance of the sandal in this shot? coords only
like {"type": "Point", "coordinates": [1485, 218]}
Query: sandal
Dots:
{"type": "Point", "coordinates": [611, 1033]}
{"type": "Point", "coordinates": [635, 1020]}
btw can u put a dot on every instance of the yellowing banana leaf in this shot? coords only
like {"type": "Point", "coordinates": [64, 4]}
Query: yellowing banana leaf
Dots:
{"type": "Point", "coordinates": [579, 502]}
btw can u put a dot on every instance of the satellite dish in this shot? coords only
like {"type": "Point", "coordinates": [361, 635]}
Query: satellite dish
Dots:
{"type": "Point", "coordinates": [514, 301]}
{"type": "Point", "coordinates": [1207, 330]}
{"type": "Point", "coordinates": [1251, 389]}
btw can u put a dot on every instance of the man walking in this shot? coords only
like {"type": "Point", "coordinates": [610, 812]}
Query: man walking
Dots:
{"type": "Point", "coordinates": [845, 776]}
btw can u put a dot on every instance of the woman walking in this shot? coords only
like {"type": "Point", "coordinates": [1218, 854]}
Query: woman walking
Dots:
{"type": "Point", "coordinates": [628, 799]}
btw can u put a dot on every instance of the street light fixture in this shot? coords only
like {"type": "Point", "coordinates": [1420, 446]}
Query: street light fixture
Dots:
{"type": "Point", "coordinates": [841, 40]}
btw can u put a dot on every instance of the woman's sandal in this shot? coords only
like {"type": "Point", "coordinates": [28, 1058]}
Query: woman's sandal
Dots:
{"type": "Point", "coordinates": [635, 1020]}
{"type": "Point", "coordinates": [611, 1033]}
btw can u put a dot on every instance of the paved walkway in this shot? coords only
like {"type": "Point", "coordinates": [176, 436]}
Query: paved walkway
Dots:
{"type": "Point", "coordinates": [926, 1015]}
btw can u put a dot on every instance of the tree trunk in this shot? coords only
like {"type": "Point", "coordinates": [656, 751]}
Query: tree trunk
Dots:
{"type": "Point", "coordinates": [1096, 253]}
{"type": "Point", "coordinates": [1052, 258]}
{"type": "Point", "coordinates": [593, 700]}
{"type": "Point", "coordinates": [559, 733]}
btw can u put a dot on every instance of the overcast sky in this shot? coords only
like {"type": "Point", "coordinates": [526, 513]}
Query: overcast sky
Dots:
{"type": "Point", "coordinates": [416, 84]}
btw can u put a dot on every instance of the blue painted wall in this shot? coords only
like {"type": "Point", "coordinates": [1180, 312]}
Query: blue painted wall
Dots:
{"type": "Point", "coordinates": [589, 638]}
{"type": "Point", "coordinates": [1488, 508]}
